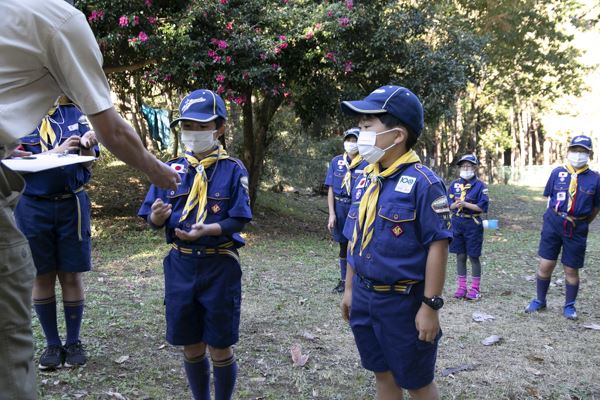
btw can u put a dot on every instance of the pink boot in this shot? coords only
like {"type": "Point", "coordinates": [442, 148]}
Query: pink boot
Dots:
{"type": "Point", "coordinates": [474, 291]}
{"type": "Point", "coordinates": [461, 290]}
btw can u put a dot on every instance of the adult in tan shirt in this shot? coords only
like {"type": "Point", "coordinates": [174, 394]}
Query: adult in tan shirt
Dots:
{"type": "Point", "coordinates": [46, 49]}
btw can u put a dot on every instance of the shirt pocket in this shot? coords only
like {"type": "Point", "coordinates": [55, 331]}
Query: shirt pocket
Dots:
{"type": "Point", "coordinates": [217, 203]}
{"type": "Point", "coordinates": [395, 230]}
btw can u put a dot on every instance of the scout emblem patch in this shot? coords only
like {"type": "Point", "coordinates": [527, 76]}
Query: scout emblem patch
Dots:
{"type": "Point", "coordinates": [397, 230]}
{"type": "Point", "coordinates": [561, 196]}
{"type": "Point", "coordinates": [440, 205]}
{"type": "Point", "coordinates": [361, 184]}
{"type": "Point", "coordinates": [405, 184]}
{"type": "Point", "coordinates": [179, 168]}
{"type": "Point", "coordinates": [215, 208]}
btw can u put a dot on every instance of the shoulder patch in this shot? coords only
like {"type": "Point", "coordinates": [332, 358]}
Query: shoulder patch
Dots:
{"type": "Point", "coordinates": [244, 182]}
{"type": "Point", "coordinates": [405, 184]}
{"type": "Point", "coordinates": [179, 168]}
{"type": "Point", "coordinates": [440, 205]}
{"type": "Point", "coordinates": [485, 191]}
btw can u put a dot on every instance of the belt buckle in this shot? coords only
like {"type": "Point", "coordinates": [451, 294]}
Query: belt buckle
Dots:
{"type": "Point", "coordinates": [367, 283]}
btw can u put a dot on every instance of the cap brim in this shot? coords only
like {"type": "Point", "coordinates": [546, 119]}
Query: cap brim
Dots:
{"type": "Point", "coordinates": [580, 145]}
{"type": "Point", "coordinates": [195, 117]}
{"type": "Point", "coordinates": [361, 107]}
{"type": "Point", "coordinates": [469, 161]}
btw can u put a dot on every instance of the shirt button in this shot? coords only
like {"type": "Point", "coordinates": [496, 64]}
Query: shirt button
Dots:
{"type": "Point", "coordinates": [368, 256]}
{"type": "Point", "coordinates": [395, 216]}
{"type": "Point", "coordinates": [187, 225]}
{"type": "Point", "coordinates": [172, 192]}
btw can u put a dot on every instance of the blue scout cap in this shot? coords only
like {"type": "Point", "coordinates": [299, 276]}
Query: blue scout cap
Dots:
{"type": "Point", "coordinates": [470, 158]}
{"type": "Point", "coordinates": [201, 105]}
{"type": "Point", "coordinates": [352, 132]}
{"type": "Point", "coordinates": [395, 100]}
{"type": "Point", "coordinates": [583, 141]}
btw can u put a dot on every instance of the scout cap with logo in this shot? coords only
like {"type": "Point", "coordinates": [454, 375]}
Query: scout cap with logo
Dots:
{"type": "Point", "coordinates": [395, 100]}
{"type": "Point", "coordinates": [469, 158]}
{"type": "Point", "coordinates": [201, 105]}
{"type": "Point", "coordinates": [352, 132]}
{"type": "Point", "coordinates": [582, 141]}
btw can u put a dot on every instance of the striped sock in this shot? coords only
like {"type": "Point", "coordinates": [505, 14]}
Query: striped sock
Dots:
{"type": "Point", "coordinates": [73, 318]}
{"type": "Point", "coordinates": [225, 374]}
{"type": "Point", "coordinates": [198, 376]}
{"type": "Point", "coordinates": [46, 313]}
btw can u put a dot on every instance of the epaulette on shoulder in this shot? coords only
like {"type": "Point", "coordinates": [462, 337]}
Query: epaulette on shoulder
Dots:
{"type": "Point", "coordinates": [237, 161]}
{"type": "Point", "coordinates": [427, 173]}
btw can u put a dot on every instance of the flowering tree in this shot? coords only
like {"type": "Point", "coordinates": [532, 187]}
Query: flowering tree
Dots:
{"type": "Point", "coordinates": [260, 54]}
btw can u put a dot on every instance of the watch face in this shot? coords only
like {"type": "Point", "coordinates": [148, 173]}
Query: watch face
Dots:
{"type": "Point", "coordinates": [438, 302]}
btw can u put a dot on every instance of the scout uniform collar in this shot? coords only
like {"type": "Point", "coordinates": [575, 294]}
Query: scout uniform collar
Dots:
{"type": "Point", "coordinates": [573, 185]}
{"type": "Point", "coordinates": [198, 192]}
{"type": "Point", "coordinates": [347, 182]}
{"type": "Point", "coordinates": [368, 203]}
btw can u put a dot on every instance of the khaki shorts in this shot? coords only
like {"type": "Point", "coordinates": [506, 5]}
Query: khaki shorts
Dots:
{"type": "Point", "coordinates": [17, 372]}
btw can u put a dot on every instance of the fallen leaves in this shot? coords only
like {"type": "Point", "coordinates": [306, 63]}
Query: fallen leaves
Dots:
{"type": "Point", "coordinates": [594, 327]}
{"type": "Point", "coordinates": [482, 317]}
{"type": "Point", "coordinates": [491, 340]}
{"type": "Point", "coordinates": [460, 368]}
{"type": "Point", "coordinates": [122, 359]}
{"type": "Point", "coordinates": [298, 358]}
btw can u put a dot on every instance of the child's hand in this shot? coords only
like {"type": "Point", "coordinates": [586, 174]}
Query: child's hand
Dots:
{"type": "Point", "coordinates": [197, 231]}
{"type": "Point", "coordinates": [331, 223]}
{"type": "Point", "coordinates": [346, 304]}
{"type": "Point", "coordinates": [71, 144]}
{"type": "Point", "coordinates": [88, 140]}
{"type": "Point", "coordinates": [427, 322]}
{"type": "Point", "coordinates": [160, 212]}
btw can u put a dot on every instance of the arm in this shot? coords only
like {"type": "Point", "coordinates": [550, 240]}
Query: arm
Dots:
{"type": "Point", "coordinates": [347, 298]}
{"type": "Point", "coordinates": [120, 138]}
{"type": "Point", "coordinates": [470, 206]}
{"type": "Point", "coordinates": [331, 206]}
{"type": "Point", "coordinates": [427, 319]}
{"type": "Point", "coordinates": [593, 214]}
{"type": "Point", "coordinates": [227, 226]}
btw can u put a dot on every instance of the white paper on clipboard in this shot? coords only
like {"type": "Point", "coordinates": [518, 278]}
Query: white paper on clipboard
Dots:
{"type": "Point", "coordinates": [42, 162]}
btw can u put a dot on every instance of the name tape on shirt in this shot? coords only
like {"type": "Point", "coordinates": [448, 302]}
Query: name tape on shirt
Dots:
{"type": "Point", "coordinates": [405, 184]}
{"type": "Point", "coordinates": [440, 205]}
{"type": "Point", "coordinates": [74, 127]}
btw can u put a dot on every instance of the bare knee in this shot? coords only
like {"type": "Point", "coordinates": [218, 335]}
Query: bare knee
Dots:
{"type": "Point", "coordinates": [193, 351]}
{"type": "Point", "coordinates": [220, 354]}
{"type": "Point", "coordinates": [387, 388]}
{"type": "Point", "coordinates": [70, 279]}
{"type": "Point", "coordinates": [44, 285]}
{"type": "Point", "coordinates": [571, 275]}
{"type": "Point", "coordinates": [546, 268]}
{"type": "Point", "coordinates": [429, 392]}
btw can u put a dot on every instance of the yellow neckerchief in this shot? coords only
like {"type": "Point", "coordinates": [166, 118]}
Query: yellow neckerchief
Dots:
{"type": "Point", "coordinates": [464, 189]}
{"type": "Point", "coordinates": [368, 203]}
{"type": "Point", "coordinates": [573, 184]}
{"type": "Point", "coordinates": [199, 190]}
{"type": "Point", "coordinates": [47, 134]}
{"type": "Point", "coordinates": [347, 182]}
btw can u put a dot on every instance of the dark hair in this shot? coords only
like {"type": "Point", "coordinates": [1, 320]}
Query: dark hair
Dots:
{"type": "Point", "coordinates": [391, 122]}
{"type": "Point", "coordinates": [219, 122]}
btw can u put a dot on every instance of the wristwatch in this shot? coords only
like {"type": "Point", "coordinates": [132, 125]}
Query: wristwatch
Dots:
{"type": "Point", "coordinates": [435, 302]}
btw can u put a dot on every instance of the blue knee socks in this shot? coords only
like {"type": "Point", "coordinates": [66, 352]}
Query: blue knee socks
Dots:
{"type": "Point", "coordinates": [225, 374]}
{"type": "Point", "coordinates": [542, 286]}
{"type": "Point", "coordinates": [46, 312]}
{"type": "Point", "coordinates": [73, 318]}
{"type": "Point", "coordinates": [198, 375]}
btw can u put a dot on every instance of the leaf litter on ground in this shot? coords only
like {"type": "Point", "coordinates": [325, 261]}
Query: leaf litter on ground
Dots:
{"type": "Point", "coordinates": [298, 358]}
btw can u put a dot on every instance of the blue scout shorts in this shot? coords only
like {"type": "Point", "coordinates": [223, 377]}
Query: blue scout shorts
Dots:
{"type": "Point", "coordinates": [341, 213]}
{"type": "Point", "coordinates": [58, 232]}
{"type": "Point", "coordinates": [203, 295]}
{"type": "Point", "coordinates": [468, 236]}
{"type": "Point", "coordinates": [384, 329]}
{"type": "Point", "coordinates": [557, 232]}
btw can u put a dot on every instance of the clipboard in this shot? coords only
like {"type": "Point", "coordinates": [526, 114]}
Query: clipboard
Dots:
{"type": "Point", "coordinates": [43, 162]}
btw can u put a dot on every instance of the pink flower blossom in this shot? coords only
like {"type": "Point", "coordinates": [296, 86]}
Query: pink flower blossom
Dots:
{"type": "Point", "coordinates": [224, 1]}
{"type": "Point", "coordinates": [275, 66]}
{"type": "Point", "coordinates": [284, 1]}
{"type": "Point", "coordinates": [318, 26]}
{"type": "Point", "coordinates": [136, 20]}
{"type": "Point", "coordinates": [286, 94]}
{"type": "Point", "coordinates": [168, 77]}
{"type": "Point", "coordinates": [220, 89]}
{"type": "Point", "coordinates": [123, 21]}
{"type": "Point", "coordinates": [214, 40]}
{"type": "Point", "coordinates": [222, 44]}
{"type": "Point", "coordinates": [329, 13]}
{"type": "Point", "coordinates": [96, 15]}
{"type": "Point", "coordinates": [330, 56]}
{"type": "Point", "coordinates": [220, 78]}
{"type": "Point", "coordinates": [263, 56]}
{"type": "Point", "coordinates": [348, 66]}
{"type": "Point", "coordinates": [142, 36]}
{"type": "Point", "coordinates": [217, 59]}
{"type": "Point", "coordinates": [344, 21]}
{"type": "Point", "coordinates": [309, 35]}
{"type": "Point", "coordinates": [212, 53]}
{"type": "Point", "coordinates": [152, 20]}
{"type": "Point", "coordinates": [277, 50]}
{"type": "Point", "coordinates": [229, 26]}
{"type": "Point", "coordinates": [245, 75]}
{"type": "Point", "coordinates": [132, 40]}
{"type": "Point", "coordinates": [349, 4]}
{"type": "Point", "coordinates": [148, 3]}
{"type": "Point", "coordinates": [274, 91]}
{"type": "Point", "coordinates": [282, 38]}
{"type": "Point", "coordinates": [228, 60]}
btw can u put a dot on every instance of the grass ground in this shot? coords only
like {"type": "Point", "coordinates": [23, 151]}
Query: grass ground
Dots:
{"type": "Point", "coordinates": [289, 269]}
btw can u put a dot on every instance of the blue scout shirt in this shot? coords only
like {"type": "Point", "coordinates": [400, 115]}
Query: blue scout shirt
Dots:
{"type": "Point", "coordinates": [412, 212]}
{"type": "Point", "coordinates": [227, 197]}
{"type": "Point", "coordinates": [477, 194]}
{"type": "Point", "coordinates": [337, 171]}
{"type": "Point", "coordinates": [66, 121]}
{"type": "Point", "coordinates": [588, 191]}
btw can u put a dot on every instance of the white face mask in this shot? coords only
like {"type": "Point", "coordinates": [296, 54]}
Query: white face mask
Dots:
{"type": "Point", "coordinates": [198, 141]}
{"type": "Point", "coordinates": [578, 159]}
{"type": "Point", "coordinates": [366, 145]}
{"type": "Point", "coordinates": [351, 147]}
{"type": "Point", "coordinates": [467, 174]}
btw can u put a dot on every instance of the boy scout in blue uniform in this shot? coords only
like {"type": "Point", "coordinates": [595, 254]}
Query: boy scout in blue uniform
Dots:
{"type": "Point", "coordinates": [468, 198]}
{"type": "Point", "coordinates": [573, 192]}
{"type": "Point", "coordinates": [399, 248]}
{"type": "Point", "coordinates": [341, 175]}
{"type": "Point", "coordinates": [54, 214]}
{"type": "Point", "coordinates": [202, 221]}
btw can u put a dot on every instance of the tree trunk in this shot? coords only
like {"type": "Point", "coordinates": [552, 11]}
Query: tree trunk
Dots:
{"type": "Point", "coordinates": [257, 114]}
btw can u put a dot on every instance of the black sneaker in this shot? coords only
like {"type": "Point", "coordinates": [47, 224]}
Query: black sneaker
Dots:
{"type": "Point", "coordinates": [74, 355]}
{"type": "Point", "coordinates": [52, 358]}
{"type": "Point", "coordinates": [341, 286]}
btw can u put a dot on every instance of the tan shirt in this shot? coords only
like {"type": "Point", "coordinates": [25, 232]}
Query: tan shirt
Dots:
{"type": "Point", "coordinates": [46, 49]}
